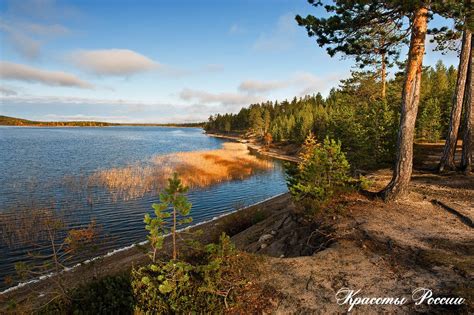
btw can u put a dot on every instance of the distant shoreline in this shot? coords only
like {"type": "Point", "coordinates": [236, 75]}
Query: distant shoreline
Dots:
{"type": "Point", "coordinates": [119, 125]}
{"type": "Point", "coordinates": [19, 122]}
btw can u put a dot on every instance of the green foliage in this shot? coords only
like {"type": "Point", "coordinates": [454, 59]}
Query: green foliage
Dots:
{"type": "Point", "coordinates": [173, 196]}
{"type": "Point", "coordinates": [435, 102]}
{"type": "Point", "coordinates": [109, 295]}
{"type": "Point", "coordinates": [198, 282]}
{"type": "Point", "coordinates": [183, 287]}
{"type": "Point", "coordinates": [214, 272]}
{"type": "Point", "coordinates": [322, 172]}
{"type": "Point", "coordinates": [369, 33]}
{"type": "Point", "coordinates": [354, 114]}
{"type": "Point", "coordinates": [429, 121]}
{"type": "Point", "coordinates": [164, 288]}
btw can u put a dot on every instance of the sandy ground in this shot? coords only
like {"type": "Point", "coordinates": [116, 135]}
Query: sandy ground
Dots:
{"type": "Point", "coordinates": [282, 152]}
{"type": "Point", "coordinates": [385, 250]}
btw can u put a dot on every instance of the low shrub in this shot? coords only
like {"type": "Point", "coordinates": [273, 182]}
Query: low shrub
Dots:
{"type": "Point", "coordinates": [108, 295]}
{"type": "Point", "coordinates": [199, 282]}
{"type": "Point", "coordinates": [322, 172]}
{"type": "Point", "coordinates": [178, 286]}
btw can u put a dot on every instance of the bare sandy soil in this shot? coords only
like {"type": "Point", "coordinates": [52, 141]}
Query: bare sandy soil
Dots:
{"type": "Point", "coordinates": [385, 250]}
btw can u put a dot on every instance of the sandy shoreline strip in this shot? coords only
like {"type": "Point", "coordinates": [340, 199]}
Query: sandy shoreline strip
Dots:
{"type": "Point", "coordinates": [254, 147]}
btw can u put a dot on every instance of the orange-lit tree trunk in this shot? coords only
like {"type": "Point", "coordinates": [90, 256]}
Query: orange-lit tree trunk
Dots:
{"type": "Point", "coordinates": [383, 76]}
{"type": "Point", "coordinates": [447, 159]}
{"type": "Point", "coordinates": [410, 99]}
{"type": "Point", "coordinates": [466, 157]}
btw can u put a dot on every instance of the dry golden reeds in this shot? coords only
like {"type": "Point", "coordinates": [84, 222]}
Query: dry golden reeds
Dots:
{"type": "Point", "coordinates": [196, 169]}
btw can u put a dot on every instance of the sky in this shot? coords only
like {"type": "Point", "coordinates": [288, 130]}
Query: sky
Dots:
{"type": "Point", "coordinates": [159, 61]}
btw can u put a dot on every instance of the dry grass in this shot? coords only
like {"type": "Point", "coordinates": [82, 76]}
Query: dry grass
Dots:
{"type": "Point", "coordinates": [197, 169]}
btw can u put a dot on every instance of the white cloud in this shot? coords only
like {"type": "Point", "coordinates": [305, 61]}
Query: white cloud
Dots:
{"type": "Point", "coordinates": [82, 117]}
{"type": "Point", "coordinates": [113, 62]}
{"type": "Point", "coordinates": [256, 86]}
{"type": "Point", "coordinates": [25, 45]}
{"type": "Point", "coordinates": [218, 98]}
{"type": "Point", "coordinates": [23, 37]}
{"type": "Point", "coordinates": [7, 91]}
{"type": "Point", "coordinates": [281, 38]}
{"type": "Point", "coordinates": [13, 71]}
{"type": "Point", "coordinates": [136, 111]}
{"type": "Point", "coordinates": [20, 41]}
{"type": "Point", "coordinates": [303, 82]}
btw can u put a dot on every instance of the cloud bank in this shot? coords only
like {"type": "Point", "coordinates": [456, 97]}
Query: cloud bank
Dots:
{"type": "Point", "coordinates": [13, 71]}
{"type": "Point", "coordinates": [112, 62]}
{"type": "Point", "coordinates": [305, 82]}
{"type": "Point", "coordinates": [7, 91]}
{"type": "Point", "coordinates": [256, 86]}
{"type": "Point", "coordinates": [24, 37]}
{"type": "Point", "coordinates": [204, 97]}
{"type": "Point", "coordinates": [21, 42]}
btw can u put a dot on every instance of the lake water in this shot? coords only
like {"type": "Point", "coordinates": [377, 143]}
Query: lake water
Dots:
{"type": "Point", "coordinates": [37, 166]}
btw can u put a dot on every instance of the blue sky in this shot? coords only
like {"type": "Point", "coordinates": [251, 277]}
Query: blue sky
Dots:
{"type": "Point", "coordinates": [158, 61]}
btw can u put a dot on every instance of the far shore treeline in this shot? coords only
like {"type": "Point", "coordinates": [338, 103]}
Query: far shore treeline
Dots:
{"type": "Point", "coordinates": [12, 121]}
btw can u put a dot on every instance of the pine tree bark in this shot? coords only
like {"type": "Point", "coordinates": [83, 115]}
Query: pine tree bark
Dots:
{"type": "Point", "coordinates": [447, 159]}
{"type": "Point", "coordinates": [410, 99]}
{"type": "Point", "coordinates": [466, 156]}
{"type": "Point", "coordinates": [383, 76]}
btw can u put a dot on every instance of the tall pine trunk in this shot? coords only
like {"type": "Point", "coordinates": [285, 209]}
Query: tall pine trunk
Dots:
{"type": "Point", "coordinates": [466, 157]}
{"type": "Point", "coordinates": [383, 76]}
{"type": "Point", "coordinates": [447, 159]}
{"type": "Point", "coordinates": [410, 99]}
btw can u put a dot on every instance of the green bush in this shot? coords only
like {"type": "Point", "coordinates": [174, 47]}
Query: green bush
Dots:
{"type": "Point", "coordinates": [322, 171]}
{"type": "Point", "coordinates": [108, 295]}
{"type": "Point", "coordinates": [199, 282]}
{"type": "Point", "coordinates": [183, 287]}
{"type": "Point", "coordinates": [164, 288]}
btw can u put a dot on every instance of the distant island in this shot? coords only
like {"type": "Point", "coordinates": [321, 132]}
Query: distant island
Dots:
{"type": "Point", "coordinates": [13, 121]}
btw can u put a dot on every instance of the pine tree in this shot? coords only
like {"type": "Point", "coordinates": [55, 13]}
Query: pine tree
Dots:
{"type": "Point", "coordinates": [360, 29]}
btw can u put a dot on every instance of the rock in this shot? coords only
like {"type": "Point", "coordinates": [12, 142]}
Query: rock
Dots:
{"type": "Point", "coordinates": [263, 246]}
{"type": "Point", "coordinates": [265, 237]}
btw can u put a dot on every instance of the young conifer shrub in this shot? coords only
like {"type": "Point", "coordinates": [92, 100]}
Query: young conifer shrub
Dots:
{"type": "Point", "coordinates": [322, 171]}
{"type": "Point", "coordinates": [184, 284]}
{"type": "Point", "coordinates": [174, 197]}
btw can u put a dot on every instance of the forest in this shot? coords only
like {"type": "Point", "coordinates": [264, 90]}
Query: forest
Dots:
{"type": "Point", "coordinates": [355, 113]}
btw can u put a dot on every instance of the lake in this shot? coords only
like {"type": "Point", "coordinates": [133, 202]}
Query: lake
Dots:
{"type": "Point", "coordinates": [53, 168]}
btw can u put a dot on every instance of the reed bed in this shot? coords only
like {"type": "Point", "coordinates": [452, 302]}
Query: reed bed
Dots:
{"type": "Point", "coordinates": [197, 169]}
